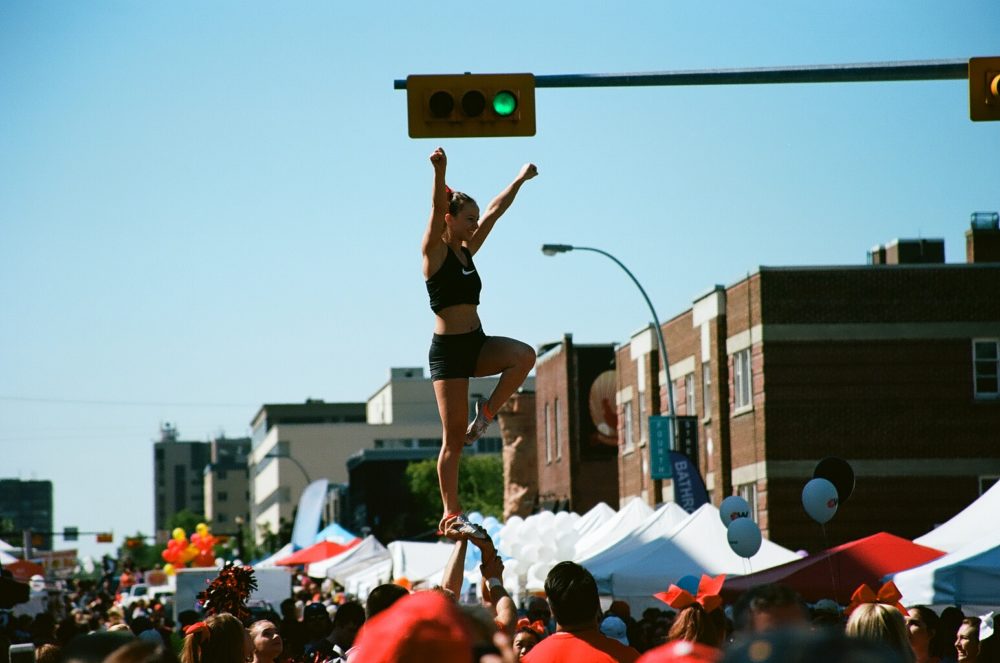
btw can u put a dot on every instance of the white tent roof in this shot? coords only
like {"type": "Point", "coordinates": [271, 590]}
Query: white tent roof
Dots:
{"type": "Point", "coordinates": [349, 562]}
{"type": "Point", "coordinates": [6, 546]}
{"type": "Point", "coordinates": [269, 562]}
{"type": "Point", "coordinates": [613, 530]}
{"type": "Point", "coordinates": [368, 578]}
{"type": "Point", "coordinates": [697, 545]}
{"type": "Point", "coordinates": [418, 561]}
{"type": "Point", "coordinates": [966, 527]}
{"type": "Point", "coordinates": [597, 516]}
{"type": "Point", "coordinates": [658, 524]}
{"type": "Point", "coordinates": [968, 577]}
{"type": "Point", "coordinates": [6, 558]}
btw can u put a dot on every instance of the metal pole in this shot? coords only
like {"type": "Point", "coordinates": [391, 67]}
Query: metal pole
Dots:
{"type": "Point", "coordinates": [916, 70]}
{"type": "Point", "coordinates": [659, 335]}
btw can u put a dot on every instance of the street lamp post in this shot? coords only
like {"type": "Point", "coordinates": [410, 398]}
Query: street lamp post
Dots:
{"type": "Point", "coordinates": [553, 249]}
{"type": "Point", "coordinates": [279, 454]}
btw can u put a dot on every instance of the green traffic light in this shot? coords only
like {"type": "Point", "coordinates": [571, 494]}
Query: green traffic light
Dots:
{"type": "Point", "coordinates": [504, 103]}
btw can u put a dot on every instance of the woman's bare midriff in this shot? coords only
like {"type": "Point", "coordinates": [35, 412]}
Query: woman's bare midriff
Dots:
{"type": "Point", "coordinates": [457, 319]}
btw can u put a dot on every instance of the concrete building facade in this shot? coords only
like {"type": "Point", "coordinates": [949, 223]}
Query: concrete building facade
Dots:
{"type": "Point", "coordinates": [27, 504]}
{"type": "Point", "coordinates": [178, 477]}
{"type": "Point", "coordinates": [227, 483]}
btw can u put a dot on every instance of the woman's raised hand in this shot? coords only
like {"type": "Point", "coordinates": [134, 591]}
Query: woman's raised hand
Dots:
{"type": "Point", "coordinates": [438, 158]}
{"type": "Point", "coordinates": [528, 171]}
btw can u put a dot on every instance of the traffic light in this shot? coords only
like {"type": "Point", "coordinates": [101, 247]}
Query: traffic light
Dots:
{"type": "Point", "coordinates": [984, 89]}
{"type": "Point", "coordinates": [470, 105]}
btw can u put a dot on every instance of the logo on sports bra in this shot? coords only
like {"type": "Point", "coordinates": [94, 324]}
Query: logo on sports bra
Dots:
{"type": "Point", "coordinates": [465, 273]}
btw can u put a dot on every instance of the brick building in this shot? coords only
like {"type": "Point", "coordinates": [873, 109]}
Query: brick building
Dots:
{"type": "Point", "coordinates": [891, 365]}
{"type": "Point", "coordinates": [575, 426]}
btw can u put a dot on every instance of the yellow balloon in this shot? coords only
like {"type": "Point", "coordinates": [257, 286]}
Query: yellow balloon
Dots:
{"type": "Point", "coordinates": [202, 529]}
{"type": "Point", "coordinates": [169, 569]}
{"type": "Point", "coordinates": [188, 554]}
{"type": "Point", "coordinates": [179, 534]}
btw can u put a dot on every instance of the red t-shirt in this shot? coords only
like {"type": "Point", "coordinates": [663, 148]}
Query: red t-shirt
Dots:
{"type": "Point", "coordinates": [590, 646]}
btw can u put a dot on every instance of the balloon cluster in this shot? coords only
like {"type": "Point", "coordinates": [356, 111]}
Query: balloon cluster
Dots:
{"type": "Point", "coordinates": [531, 546]}
{"type": "Point", "coordinates": [831, 486]}
{"type": "Point", "coordinates": [198, 552]}
{"type": "Point", "coordinates": [742, 532]}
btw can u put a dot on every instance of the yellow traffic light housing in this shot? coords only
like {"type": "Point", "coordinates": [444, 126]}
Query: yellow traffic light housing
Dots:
{"type": "Point", "coordinates": [470, 105]}
{"type": "Point", "coordinates": [984, 89]}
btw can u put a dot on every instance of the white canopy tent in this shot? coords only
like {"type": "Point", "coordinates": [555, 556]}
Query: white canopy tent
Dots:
{"type": "Point", "coordinates": [351, 561]}
{"type": "Point", "coordinates": [613, 530]}
{"type": "Point", "coordinates": [967, 526]}
{"type": "Point", "coordinates": [968, 577]}
{"type": "Point", "coordinates": [365, 579]}
{"type": "Point", "coordinates": [695, 546]}
{"type": "Point", "coordinates": [657, 525]}
{"type": "Point", "coordinates": [419, 562]}
{"type": "Point", "coordinates": [269, 562]}
{"type": "Point", "coordinates": [597, 516]}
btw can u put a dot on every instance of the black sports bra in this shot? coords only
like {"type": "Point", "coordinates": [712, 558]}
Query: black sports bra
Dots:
{"type": "Point", "coordinates": [454, 283]}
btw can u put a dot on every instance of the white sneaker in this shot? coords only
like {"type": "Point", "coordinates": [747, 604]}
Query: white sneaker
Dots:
{"type": "Point", "coordinates": [479, 424]}
{"type": "Point", "coordinates": [466, 528]}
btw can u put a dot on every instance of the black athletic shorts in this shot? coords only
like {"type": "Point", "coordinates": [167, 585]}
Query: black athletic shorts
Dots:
{"type": "Point", "coordinates": [455, 355]}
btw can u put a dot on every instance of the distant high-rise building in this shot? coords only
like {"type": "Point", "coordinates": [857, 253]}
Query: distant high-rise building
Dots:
{"type": "Point", "coordinates": [27, 505]}
{"type": "Point", "coordinates": [227, 483]}
{"type": "Point", "coordinates": [178, 477]}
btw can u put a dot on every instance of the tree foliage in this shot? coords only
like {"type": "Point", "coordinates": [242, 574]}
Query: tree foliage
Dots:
{"type": "Point", "coordinates": [480, 487]}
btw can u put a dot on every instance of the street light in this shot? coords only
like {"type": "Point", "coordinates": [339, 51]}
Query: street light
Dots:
{"type": "Point", "coordinates": [553, 249]}
{"type": "Point", "coordinates": [284, 454]}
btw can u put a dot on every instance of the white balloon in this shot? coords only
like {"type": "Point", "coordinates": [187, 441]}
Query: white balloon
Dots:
{"type": "Point", "coordinates": [536, 575]}
{"type": "Point", "coordinates": [517, 550]}
{"type": "Point", "coordinates": [475, 518]}
{"type": "Point", "coordinates": [564, 551]}
{"type": "Point", "coordinates": [733, 507]}
{"type": "Point", "coordinates": [530, 553]}
{"type": "Point", "coordinates": [545, 520]}
{"type": "Point", "coordinates": [563, 519]}
{"type": "Point", "coordinates": [514, 521]}
{"type": "Point", "coordinates": [490, 522]}
{"type": "Point", "coordinates": [820, 500]}
{"type": "Point", "coordinates": [546, 553]}
{"type": "Point", "coordinates": [506, 547]}
{"type": "Point", "coordinates": [512, 567]}
{"type": "Point", "coordinates": [744, 537]}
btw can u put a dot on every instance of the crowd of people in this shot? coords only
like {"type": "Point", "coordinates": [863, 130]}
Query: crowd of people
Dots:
{"type": "Point", "coordinates": [567, 625]}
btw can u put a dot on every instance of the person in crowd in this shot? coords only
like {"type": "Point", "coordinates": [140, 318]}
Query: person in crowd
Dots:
{"type": "Point", "coordinates": [267, 643]}
{"type": "Point", "coordinates": [48, 654]}
{"type": "Point", "coordinates": [527, 635]}
{"type": "Point", "coordinates": [802, 645]}
{"type": "Point", "coordinates": [699, 617]}
{"type": "Point", "coordinates": [424, 626]}
{"type": "Point", "coordinates": [921, 627]}
{"type": "Point", "coordinates": [293, 633]}
{"type": "Point", "coordinates": [573, 599]}
{"type": "Point", "coordinates": [219, 639]}
{"type": "Point", "coordinates": [615, 628]}
{"type": "Point", "coordinates": [537, 610]}
{"type": "Point", "coordinates": [142, 652]}
{"type": "Point", "coordinates": [826, 613]}
{"type": "Point", "coordinates": [382, 597]}
{"type": "Point", "coordinates": [943, 643]}
{"type": "Point", "coordinates": [96, 647]}
{"type": "Point", "coordinates": [878, 622]}
{"type": "Point", "coordinates": [967, 640]}
{"type": "Point", "coordinates": [767, 607]}
{"type": "Point", "coordinates": [318, 628]}
{"type": "Point", "coordinates": [348, 620]}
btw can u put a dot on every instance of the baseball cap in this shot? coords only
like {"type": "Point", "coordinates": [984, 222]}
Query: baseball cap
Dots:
{"type": "Point", "coordinates": [420, 627]}
{"type": "Point", "coordinates": [614, 628]}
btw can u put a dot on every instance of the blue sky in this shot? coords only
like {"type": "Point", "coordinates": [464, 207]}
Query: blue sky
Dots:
{"type": "Point", "coordinates": [209, 206]}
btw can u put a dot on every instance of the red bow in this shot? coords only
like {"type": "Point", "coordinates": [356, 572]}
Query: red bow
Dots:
{"type": "Point", "coordinates": [887, 595]}
{"type": "Point", "coordinates": [199, 627]}
{"type": "Point", "coordinates": [537, 626]}
{"type": "Point", "coordinates": [708, 594]}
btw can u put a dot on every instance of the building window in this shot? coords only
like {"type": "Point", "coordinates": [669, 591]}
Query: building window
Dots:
{"type": "Point", "coordinates": [643, 419]}
{"type": "Point", "coordinates": [221, 518]}
{"type": "Point", "coordinates": [748, 491]}
{"type": "Point", "coordinates": [222, 496]}
{"type": "Point", "coordinates": [558, 420]}
{"type": "Point", "coordinates": [690, 404]}
{"type": "Point", "coordinates": [548, 434]}
{"type": "Point", "coordinates": [986, 367]}
{"type": "Point", "coordinates": [706, 388]}
{"type": "Point", "coordinates": [741, 378]}
{"type": "Point", "coordinates": [627, 431]}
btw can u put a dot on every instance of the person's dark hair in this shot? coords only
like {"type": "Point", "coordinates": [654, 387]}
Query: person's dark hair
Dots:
{"type": "Point", "coordinates": [695, 625]}
{"type": "Point", "coordinates": [805, 646]}
{"type": "Point", "coordinates": [943, 642]}
{"type": "Point", "coordinates": [457, 200]}
{"type": "Point", "coordinates": [763, 597]}
{"type": "Point", "coordinates": [187, 617]}
{"type": "Point", "coordinates": [142, 652]}
{"type": "Point", "coordinates": [288, 609]}
{"type": "Point", "coordinates": [48, 654]}
{"type": "Point", "coordinates": [350, 612]}
{"type": "Point", "coordinates": [95, 647]}
{"type": "Point", "coordinates": [382, 597]}
{"type": "Point", "coordinates": [927, 616]}
{"type": "Point", "coordinates": [222, 644]}
{"type": "Point", "coordinates": [572, 594]}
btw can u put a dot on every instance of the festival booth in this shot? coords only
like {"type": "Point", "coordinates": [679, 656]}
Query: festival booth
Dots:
{"type": "Point", "coordinates": [318, 552]}
{"type": "Point", "coordinates": [597, 516]}
{"type": "Point", "coordinates": [272, 561]}
{"type": "Point", "coordinates": [657, 525]}
{"type": "Point", "coordinates": [612, 530]}
{"type": "Point", "coordinates": [968, 577]}
{"type": "Point", "coordinates": [968, 526]}
{"type": "Point", "coordinates": [335, 533]}
{"type": "Point", "coordinates": [696, 545]}
{"type": "Point", "coordinates": [21, 569]}
{"type": "Point", "coordinates": [835, 573]}
{"type": "Point", "coordinates": [420, 563]}
{"type": "Point", "coordinates": [350, 562]}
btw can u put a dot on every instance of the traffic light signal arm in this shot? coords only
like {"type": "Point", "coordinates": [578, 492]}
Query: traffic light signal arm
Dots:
{"type": "Point", "coordinates": [470, 105]}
